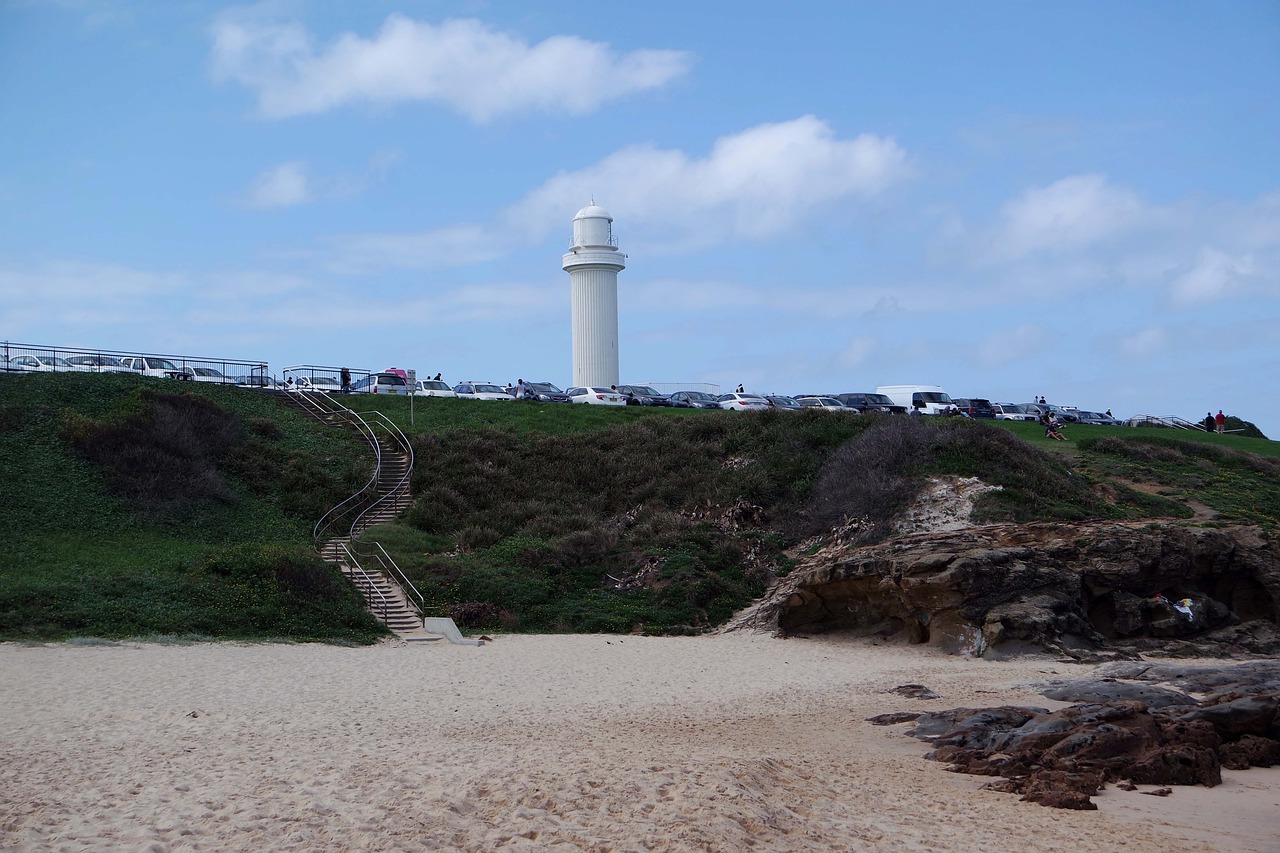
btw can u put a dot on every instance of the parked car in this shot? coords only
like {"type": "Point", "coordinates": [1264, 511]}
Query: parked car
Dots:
{"type": "Point", "coordinates": [40, 363]}
{"type": "Point", "coordinates": [208, 374]}
{"type": "Point", "coordinates": [432, 388]}
{"type": "Point", "coordinates": [263, 381]}
{"type": "Point", "coordinates": [781, 401]}
{"type": "Point", "coordinates": [693, 400]}
{"type": "Point", "coordinates": [1038, 409]}
{"type": "Point", "coordinates": [870, 402]}
{"type": "Point", "coordinates": [1096, 418]}
{"type": "Point", "coordinates": [596, 396]}
{"type": "Point", "coordinates": [380, 383]}
{"type": "Point", "coordinates": [822, 401]}
{"type": "Point", "coordinates": [317, 384]}
{"type": "Point", "coordinates": [642, 395]}
{"type": "Point", "coordinates": [544, 392]}
{"type": "Point", "coordinates": [925, 399]}
{"type": "Point", "coordinates": [1012, 412]}
{"type": "Point", "coordinates": [974, 407]}
{"type": "Point", "coordinates": [151, 365]}
{"type": "Point", "coordinates": [737, 402]}
{"type": "Point", "coordinates": [97, 363]}
{"type": "Point", "coordinates": [480, 391]}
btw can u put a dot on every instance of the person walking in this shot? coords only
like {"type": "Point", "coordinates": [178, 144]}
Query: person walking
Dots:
{"type": "Point", "coordinates": [1220, 421]}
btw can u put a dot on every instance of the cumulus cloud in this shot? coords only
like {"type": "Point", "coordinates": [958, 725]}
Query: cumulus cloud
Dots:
{"type": "Point", "coordinates": [1074, 212]}
{"type": "Point", "coordinates": [461, 64]}
{"type": "Point", "coordinates": [282, 186]}
{"type": "Point", "coordinates": [753, 185]}
{"type": "Point", "coordinates": [1215, 274]}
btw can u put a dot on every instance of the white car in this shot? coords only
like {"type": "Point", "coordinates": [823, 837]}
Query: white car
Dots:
{"type": "Point", "coordinates": [743, 402]}
{"type": "Point", "coordinates": [432, 388]}
{"type": "Point", "coordinates": [1012, 412]}
{"type": "Point", "coordinates": [813, 401]}
{"type": "Point", "coordinates": [316, 384]}
{"type": "Point", "coordinates": [596, 396]}
{"type": "Point", "coordinates": [150, 365]}
{"type": "Point", "coordinates": [97, 363]}
{"type": "Point", "coordinates": [41, 364]}
{"type": "Point", "coordinates": [208, 374]}
{"type": "Point", "coordinates": [480, 391]}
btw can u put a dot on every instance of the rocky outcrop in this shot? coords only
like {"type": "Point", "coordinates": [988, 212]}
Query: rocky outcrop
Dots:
{"type": "Point", "coordinates": [1120, 731]}
{"type": "Point", "coordinates": [1086, 590]}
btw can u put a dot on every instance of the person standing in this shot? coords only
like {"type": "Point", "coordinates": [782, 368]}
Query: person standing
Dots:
{"type": "Point", "coordinates": [519, 389]}
{"type": "Point", "coordinates": [1210, 425]}
{"type": "Point", "coordinates": [1220, 421]}
{"type": "Point", "coordinates": [345, 378]}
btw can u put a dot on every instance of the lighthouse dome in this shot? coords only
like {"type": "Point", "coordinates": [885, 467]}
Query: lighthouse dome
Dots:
{"type": "Point", "coordinates": [592, 227]}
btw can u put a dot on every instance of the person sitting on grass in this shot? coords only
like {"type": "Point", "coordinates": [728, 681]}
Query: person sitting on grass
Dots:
{"type": "Point", "coordinates": [1051, 427]}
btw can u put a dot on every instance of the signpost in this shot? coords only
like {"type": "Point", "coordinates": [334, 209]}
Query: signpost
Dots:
{"type": "Point", "coordinates": [411, 377]}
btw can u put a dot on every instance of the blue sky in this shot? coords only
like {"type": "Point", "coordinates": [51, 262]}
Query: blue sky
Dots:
{"type": "Point", "coordinates": [1080, 200]}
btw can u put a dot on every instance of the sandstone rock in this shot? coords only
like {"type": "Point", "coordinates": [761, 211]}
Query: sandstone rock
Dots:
{"type": "Point", "coordinates": [1087, 591]}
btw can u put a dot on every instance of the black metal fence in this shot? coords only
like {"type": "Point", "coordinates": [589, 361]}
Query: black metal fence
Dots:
{"type": "Point", "coordinates": [39, 358]}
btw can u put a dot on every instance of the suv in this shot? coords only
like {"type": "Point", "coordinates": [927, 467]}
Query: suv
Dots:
{"type": "Point", "coordinates": [867, 402]}
{"type": "Point", "coordinates": [543, 392]}
{"type": "Point", "coordinates": [642, 395]}
{"type": "Point", "coordinates": [150, 365]}
{"type": "Point", "coordinates": [975, 407]}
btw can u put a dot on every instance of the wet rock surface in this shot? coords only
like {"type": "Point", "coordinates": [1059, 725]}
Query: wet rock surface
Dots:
{"type": "Point", "coordinates": [1132, 724]}
{"type": "Point", "coordinates": [1091, 591]}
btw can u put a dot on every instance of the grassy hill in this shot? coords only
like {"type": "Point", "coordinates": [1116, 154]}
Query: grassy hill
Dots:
{"type": "Point", "coordinates": [142, 507]}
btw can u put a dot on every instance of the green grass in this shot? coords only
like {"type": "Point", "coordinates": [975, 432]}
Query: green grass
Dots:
{"type": "Point", "coordinates": [533, 517]}
{"type": "Point", "coordinates": [113, 548]}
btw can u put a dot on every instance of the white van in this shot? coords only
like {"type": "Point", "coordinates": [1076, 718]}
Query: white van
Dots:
{"type": "Point", "coordinates": [921, 399]}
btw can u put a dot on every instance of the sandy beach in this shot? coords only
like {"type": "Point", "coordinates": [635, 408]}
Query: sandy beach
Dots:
{"type": "Point", "coordinates": [570, 743]}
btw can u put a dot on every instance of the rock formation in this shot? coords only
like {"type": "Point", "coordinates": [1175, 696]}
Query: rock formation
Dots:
{"type": "Point", "coordinates": [1120, 731]}
{"type": "Point", "coordinates": [1092, 591]}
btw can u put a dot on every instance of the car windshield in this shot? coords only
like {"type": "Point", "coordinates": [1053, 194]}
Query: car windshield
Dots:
{"type": "Point", "coordinates": [391, 379]}
{"type": "Point", "coordinates": [161, 364]}
{"type": "Point", "coordinates": [783, 401]}
{"type": "Point", "coordinates": [878, 400]}
{"type": "Point", "coordinates": [432, 385]}
{"type": "Point", "coordinates": [934, 397]}
{"type": "Point", "coordinates": [645, 390]}
{"type": "Point", "coordinates": [696, 395]}
{"type": "Point", "coordinates": [323, 380]}
{"type": "Point", "coordinates": [602, 391]}
{"type": "Point", "coordinates": [488, 389]}
{"type": "Point", "coordinates": [206, 371]}
{"type": "Point", "coordinates": [543, 387]}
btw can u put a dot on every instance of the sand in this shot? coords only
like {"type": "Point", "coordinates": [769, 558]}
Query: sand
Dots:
{"type": "Point", "coordinates": [569, 743]}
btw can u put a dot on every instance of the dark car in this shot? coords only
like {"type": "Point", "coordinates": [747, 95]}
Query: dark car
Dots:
{"type": "Point", "coordinates": [866, 402]}
{"type": "Point", "coordinates": [781, 401]}
{"type": "Point", "coordinates": [643, 395]}
{"type": "Point", "coordinates": [693, 400]}
{"type": "Point", "coordinates": [541, 392]}
{"type": "Point", "coordinates": [974, 407]}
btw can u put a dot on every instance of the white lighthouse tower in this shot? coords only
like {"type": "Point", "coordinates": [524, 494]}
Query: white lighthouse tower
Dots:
{"type": "Point", "coordinates": [593, 263]}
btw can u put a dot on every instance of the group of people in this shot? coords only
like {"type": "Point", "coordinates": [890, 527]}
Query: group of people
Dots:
{"type": "Point", "coordinates": [1215, 423]}
{"type": "Point", "coordinates": [1052, 426]}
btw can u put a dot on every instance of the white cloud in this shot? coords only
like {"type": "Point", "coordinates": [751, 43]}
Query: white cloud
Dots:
{"type": "Point", "coordinates": [1214, 275]}
{"type": "Point", "coordinates": [753, 185]}
{"type": "Point", "coordinates": [282, 186]}
{"type": "Point", "coordinates": [1144, 343]}
{"type": "Point", "coordinates": [461, 64]}
{"type": "Point", "coordinates": [856, 352]}
{"type": "Point", "coordinates": [1075, 212]}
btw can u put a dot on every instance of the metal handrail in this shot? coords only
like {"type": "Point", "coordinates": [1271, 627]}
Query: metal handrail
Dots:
{"type": "Point", "coordinates": [389, 564]}
{"type": "Point", "coordinates": [324, 406]}
{"type": "Point", "coordinates": [355, 564]}
{"type": "Point", "coordinates": [1172, 421]}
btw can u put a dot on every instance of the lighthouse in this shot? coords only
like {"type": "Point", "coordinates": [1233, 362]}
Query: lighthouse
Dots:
{"type": "Point", "coordinates": [593, 263]}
